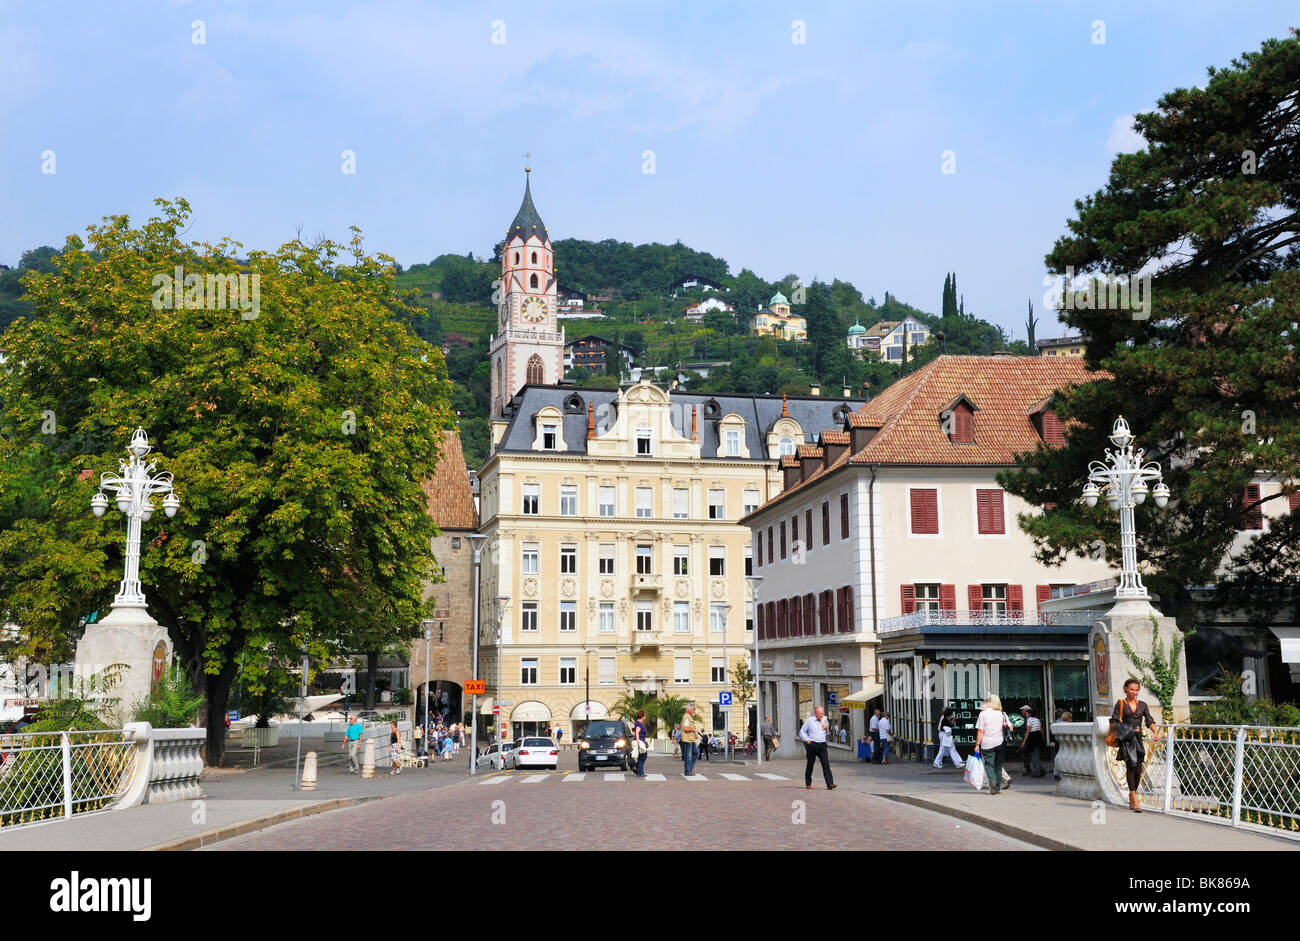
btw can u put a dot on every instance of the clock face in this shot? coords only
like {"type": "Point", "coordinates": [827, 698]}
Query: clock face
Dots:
{"type": "Point", "coordinates": [533, 310]}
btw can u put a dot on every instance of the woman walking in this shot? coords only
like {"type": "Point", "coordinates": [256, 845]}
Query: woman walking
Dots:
{"type": "Point", "coordinates": [638, 735]}
{"type": "Point", "coordinates": [886, 730]}
{"type": "Point", "coordinates": [1130, 715]}
{"type": "Point", "coordinates": [394, 747]}
{"type": "Point", "coordinates": [947, 746]}
{"type": "Point", "coordinates": [990, 741]}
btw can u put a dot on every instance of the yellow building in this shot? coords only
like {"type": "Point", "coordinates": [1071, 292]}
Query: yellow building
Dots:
{"type": "Point", "coordinates": [1063, 346]}
{"type": "Point", "coordinates": [776, 320]}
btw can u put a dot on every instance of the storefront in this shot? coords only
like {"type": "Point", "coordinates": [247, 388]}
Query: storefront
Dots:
{"type": "Point", "coordinates": [529, 718]}
{"type": "Point", "coordinates": [584, 712]}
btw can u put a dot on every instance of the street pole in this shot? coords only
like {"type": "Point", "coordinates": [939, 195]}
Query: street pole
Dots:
{"type": "Point", "coordinates": [726, 672]}
{"type": "Point", "coordinates": [302, 703]}
{"type": "Point", "coordinates": [501, 602]}
{"type": "Point", "coordinates": [476, 542]}
{"type": "Point", "coordinates": [428, 632]}
{"type": "Point", "coordinates": [755, 581]}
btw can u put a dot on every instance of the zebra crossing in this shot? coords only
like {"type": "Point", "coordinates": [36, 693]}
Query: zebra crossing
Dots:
{"type": "Point", "coordinates": [497, 780]}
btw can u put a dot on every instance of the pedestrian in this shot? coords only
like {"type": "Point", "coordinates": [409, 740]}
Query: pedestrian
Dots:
{"type": "Point", "coordinates": [559, 734]}
{"type": "Point", "coordinates": [639, 740]}
{"type": "Point", "coordinates": [844, 735]}
{"type": "Point", "coordinates": [417, 735]}
{"type": "Point", "coordinates": [947, 745]}
{"type": "Point", "coordinates": [1032, 743]}
{"type": "Point", "coordinates": [1127, 722]}
{"type": "Point", "coordinates": [768, 734]}
{"type": "Point", "coordinates": [394, 747]}
{"type": "Point", "coordinates": [864, 748]}
{"type": "Point", "coordinates": [352, 741]}
{"type": "Point", "coordinates": [990, 740]}
{"type": "Point", "coordinates": [690, 739]}
{"type": "Point", "coordinates": [706, 745]}
{"type": "Point", "coordinates": [873, 729]}
{"type": "Point", "coordinates": [813, 735]}
{"type": "Point", "coordinates": [677, 740]}
{"type": "Point", "coordinates": [1065, 716]}
{"type": "Point", "coordinates": [885, 729]}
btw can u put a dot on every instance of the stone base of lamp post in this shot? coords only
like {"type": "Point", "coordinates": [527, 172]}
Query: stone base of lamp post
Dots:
{"type": "Point", "coordinates": [1109, 666]}
{"type": "Point", "coordinates": [131, 637]}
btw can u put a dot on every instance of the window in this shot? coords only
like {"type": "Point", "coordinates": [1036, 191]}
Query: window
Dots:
{"type": "Point", "coordinates": [717, 619]}
{"type": "Point", "coordinates": [606, 670]}
{"type": "Point", "coordinates": [1053, 430]}
{"type": "Point", "coordinates": [644, 502]}
{"type": "Point", "coordinates": [827, 613]}
{"type": "Point", "coordinates": [681, 617]}
{"type": "Point", "coordinates": [750, 501]}
{"type": "Point", "coordinates": [681, 560]}
{"type": "Point", "coordinates": [645, 616]}
{"type": "Point", "coordinates": [644, 561]}
{"type": "Point", "coordinates": [568, 500]}
{"type": "Point", "coordinates": [516, 258]}
{"type": "Point", "coordinates": [1254, 515]}
{"type": "Point", "coordinates": [548, 437]}
{"type": "Point", "coordinates": [606, 617]}
{"type": "Point", "coordinates": [643, 441]}
{"type": "Point", "coordinates": [717, 560]}
{"type": "Point", "coordinates": [528, 671]}
{"type": "Point", "coordinates": [925, 512]}
{"type": "Point", "coordinates": [528, 616]}
{"type": "Point", "coordinates": [681, 503]}
{"type": "Point", "coordinates": [681, 670]}
{"type": "Point", "coordinates": [568, 560]}
{"type": "Point", "coordinates": [846, 609]}
{"type": "Point", "coordinates": [717, 504]}
{"type": "Point", "coordinates": [894, 352]}
{"type": "Point", "coordinates": [530, 560]}
{"type": "Point", "coordinates": [536, 372]}
{"type": "Point", "coordinates": [794, 529]}
{"type": "Point", "coordinates": [988, 505]}
{"type": "Point", "coordinates": [606, 501]}
{"type": "Point", "coordinates": [534, 257]}
{"type": "Point", "coordinates": [532, 283]}
{"type": "Point", "coordinates": [782, 525]}
{"type": "Point", "coordinates": [826, 522]}
{"type": "Point", "coordinates": [749, 623]}
{"type": "Point", "coordinates": [844, 516]}
{"type": "Point", "coordinates": [717, 672]}
{"type": "Point", "coordinates": [927, 597]}
{"type": "Point", "coordinates": [785, 446]}
{"type": "Point", "coordinates": [606, 564]}
{"type": "Point", "coordinates": [568, 615]}
{"type": "Point", "coordinates": [568, 671]}
{"type": "Point", "coordinates": [455, 542]}
{"type": "Point", "coordinates": [749, 561]}
{"type": "Point", "coordinates": [733, 443]}
{"type": "Point", "coordinates": [771, 556]}
{"type": "Point", "coordinates": [532, 499]}
{"type": "Point", "coordinates": [993, 598]}
{"type": "Point", "coordinates": [963, 425]}
{"type": "Point", "coordinates": [807, 525]}
{"type": "Point", "coordinates": [758, 544]}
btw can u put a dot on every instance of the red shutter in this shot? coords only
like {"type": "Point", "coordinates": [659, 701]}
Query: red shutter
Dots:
{"type": "Point", "coordinates": [925, 512]}
{"type": "Point", "coordinates": [847, 626]}
{"type": "Point", "coordinates": [975, 597]}
{"type": "Point", "coordinates": [1255, 516]}
{"type": "Point", "coordinates": [794, 529]}
{"type": "Point", "coordinates": [982, 509]}
{"type": "Point", "coordinates": [759, 545]}
{"type": "Point", "coordinates": [828, 613]}
{"type": "Point", "coordinates": [783, 539]}
{"type": "Point", "coordinates": [771, 556]}
{"type": "Point", "coordinates": [826, 523]}
{"type": "Point", "coordinates": [1042, 593]}
{"type": "Point", "coordinates": [909, 598]}
{"type": "Point", "coordinates": [1294, 502]}
{"type": "Point", "coordinates": [1015, 598]}
{"type": "Point", "coordinates": [844, 516]}
{"type": "Point", "coordinates": [1053, 430]}
{"type": "Point", "coordinates": [762, 624]}
{"type": "Point", "coordinates": [771, 620]}
{"type": "Point", "coordinates": [807, 525]}
{"type": "Point", "coordinates": [997, 515]}
{"type": "Point", "coordinates": [947, 597]}
{"type": "Point", "coordinates": [809, 615]}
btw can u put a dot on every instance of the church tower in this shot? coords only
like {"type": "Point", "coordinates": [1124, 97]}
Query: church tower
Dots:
{"type": "Point", "coordinates": [529, 345]}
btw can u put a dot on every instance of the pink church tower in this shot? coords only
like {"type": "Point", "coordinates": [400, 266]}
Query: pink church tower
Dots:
{"type": "Point", "coordinates": [529, 345]}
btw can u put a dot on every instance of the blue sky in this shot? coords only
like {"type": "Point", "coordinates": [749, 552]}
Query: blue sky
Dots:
{"type": "Point", "coordinates": [821, 158]}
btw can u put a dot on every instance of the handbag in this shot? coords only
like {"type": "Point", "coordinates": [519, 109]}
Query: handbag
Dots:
{"type": "Point", "coordinates": [1112, 741]}
{"type": "Point", "coordinates": [776, 742]}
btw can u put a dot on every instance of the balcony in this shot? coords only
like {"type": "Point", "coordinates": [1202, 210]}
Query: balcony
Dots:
{"type": "Point", "coordinates": [646, 640]}
{"type": "Point", "coordinates": [642, 582]}
{"type": "Point", "coordinates": [986, 620]}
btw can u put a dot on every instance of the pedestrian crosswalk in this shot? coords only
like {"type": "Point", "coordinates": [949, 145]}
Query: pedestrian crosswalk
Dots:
{"type": "Point", "coordinates": [617, 776]}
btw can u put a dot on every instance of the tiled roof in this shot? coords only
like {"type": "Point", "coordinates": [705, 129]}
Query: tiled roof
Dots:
{"type": "Point", "coordinates": [859, 420]}
{"type": "Point", "coordinates": [450, 499]}
{"type": "Point", "coordinates": [810, 450]}
{"type": "Point", "coordinates": [835, 437]}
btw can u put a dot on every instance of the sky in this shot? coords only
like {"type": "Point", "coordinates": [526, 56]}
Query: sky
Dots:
{"type": "Point", "coordinates": [786, 137]}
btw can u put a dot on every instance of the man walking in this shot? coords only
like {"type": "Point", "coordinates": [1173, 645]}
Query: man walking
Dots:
{"type": "Point", "coordinates": [873, 728]}
{"type": "Point", "coordinates": [768, 734]}
{"type": "Point", "coordinates": [1032, 743]}
{"type": "Point", "coordinates": [352, 741]}
{"type": "Point", "coordinates": [690, 741]}
{"type": "Point", "coordinates": [813, 735]}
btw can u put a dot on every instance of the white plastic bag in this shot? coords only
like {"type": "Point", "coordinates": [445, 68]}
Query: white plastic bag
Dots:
{"type": "Point", "coordinates": [974, 775]}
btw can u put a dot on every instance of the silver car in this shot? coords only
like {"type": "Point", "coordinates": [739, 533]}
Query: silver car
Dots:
{"type": "Point", "coordinates": [498, 760]}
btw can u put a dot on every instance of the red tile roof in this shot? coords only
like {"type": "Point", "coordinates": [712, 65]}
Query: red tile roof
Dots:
{"type": "Point", "coordinates": [810, 450]}
{"type": "Point", "coordinates": [450, 499]}
{"type": "Point", "coordinates": [835, 437]}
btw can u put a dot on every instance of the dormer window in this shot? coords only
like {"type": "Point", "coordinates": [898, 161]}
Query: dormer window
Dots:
{"type": "Point", "coordinates": [785, 446]}
{"type": "Point", "coordinates": [574, 404]}
{"type": "Point", "coordinates": [712, 409]}
{"type": "Point", "coordinates": [1053, 429]}
{"type": "Point", "coordinates": [643, 442]}
{"type": "Point", "coordinates": [958, 420]}
{"type": "Point", "coordinates": [841, 414]}
{"type": "Point", "coordinates": [549, 437]}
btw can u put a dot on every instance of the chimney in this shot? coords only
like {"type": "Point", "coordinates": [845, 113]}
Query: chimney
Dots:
{"type": "Point", "coordinates": [848, 393]}
{"type": "Point", "coordinates": [814, 390]}
{"type": "Point", "coordinates": [834, 450]}
{"type": "Point", "coordinates": [809, 464]}
{"type": "Point", "coordinates": [591, 420]}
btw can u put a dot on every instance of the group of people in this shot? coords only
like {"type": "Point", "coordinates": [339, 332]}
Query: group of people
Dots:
{"type": "Point", "coordinates": [444, 741]}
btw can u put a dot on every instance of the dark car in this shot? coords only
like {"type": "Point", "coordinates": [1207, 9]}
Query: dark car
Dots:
{"type": "Point", "coordinates": [604, 743]}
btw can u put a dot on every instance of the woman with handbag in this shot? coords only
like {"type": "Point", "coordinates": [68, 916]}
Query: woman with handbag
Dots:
{"type": "Point", "coordinates": [1125, 734]}
{"type": "Point", "coordinates": [639, 742]}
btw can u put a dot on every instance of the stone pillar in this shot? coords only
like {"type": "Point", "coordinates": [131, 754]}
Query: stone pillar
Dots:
{"type": "Point", "coordinates": [131, 637]}
{"type": "Point", "coordinates": [368, 759]}
{"type": "Point", "coordinates": [309, 772]}
{"type": "Point", "coordinates": [1109, 666]}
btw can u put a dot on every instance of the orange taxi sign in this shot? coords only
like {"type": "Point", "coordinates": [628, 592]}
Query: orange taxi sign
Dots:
{"type": "Point", "coordinates": [475, 687]}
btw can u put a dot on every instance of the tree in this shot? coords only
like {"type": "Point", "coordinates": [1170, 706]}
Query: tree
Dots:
{"type": "Point", "coordinates": [1031, 325]}
{"type": "Point", "coordinates": [742, 685]}
{"type": "Point", "coordinates": [1203, 362]}
{"type": "Point", "coordinates": [669, 710]}
{"type": "Point", "coordinates": [298, 438]}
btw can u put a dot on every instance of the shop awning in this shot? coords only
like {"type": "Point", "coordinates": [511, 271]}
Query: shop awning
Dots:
{"type": "Point", "coordinates": [598, 711]}
{"type": "Point", "coordinates": [1289, 638]}
{"type": "Point", "coordinates": [863, 696]}
{"type": "Point", "coordinates": [531, 711]}
{"type": "Point", "coordinates": [485, 705]}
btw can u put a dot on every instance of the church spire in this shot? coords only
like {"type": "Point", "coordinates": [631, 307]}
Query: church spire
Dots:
{"type": "Point", "coordinates": [527, 221]}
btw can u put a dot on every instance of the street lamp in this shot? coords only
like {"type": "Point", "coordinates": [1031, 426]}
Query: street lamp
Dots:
{"type": "Point", "coordinates": [1123, 479]}
{"type": "Point", "coordinates": [427, 624]}
{"type": "Point", "coordinates": [502, 602]}
{"type": "Point", "coordinates": [726, 714]}
{"type": "Point", "coordinates": [134, 488]}
{"type": "Point", "coordinates": [476, 542]}
{"type": "Point", "coordinates": [755, 581]}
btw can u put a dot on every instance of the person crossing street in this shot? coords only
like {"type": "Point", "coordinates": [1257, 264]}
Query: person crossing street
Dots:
{"type": "Point", "coordinates": [813, 736]}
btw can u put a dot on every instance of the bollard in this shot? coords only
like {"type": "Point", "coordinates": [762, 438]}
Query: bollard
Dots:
{"type": "Point", "coordinates": [309, 772]}
{"type": "Point", "coordinates": [368, 761]}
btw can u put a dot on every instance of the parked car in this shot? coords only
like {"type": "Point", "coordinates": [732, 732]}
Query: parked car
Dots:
{"type": "Point", "coordinates": [537, 753]}
{"type": "Point", "coordinates": [605, 742]}
{"type": "Point", "coordinates": [498, 761]}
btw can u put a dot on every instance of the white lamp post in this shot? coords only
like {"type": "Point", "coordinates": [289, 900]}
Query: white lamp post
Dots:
{"type": "Point", "coordinates": [476, 542]}
{"type": "Point", "coordinates": [1123, 479]}
{"type": "Point", "coordinates": [726, 671]}
{"type": "Point", "coordinates": [427, 624]}
{"type": "Point", "coordinates": [502, 602]}
{"type": "Point", "coordinates": [755, 581]}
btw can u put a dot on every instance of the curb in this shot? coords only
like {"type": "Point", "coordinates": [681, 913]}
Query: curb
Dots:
{"type": "Point", "coordinates": [233, 830]}
{"type": "Point", "coordinates": [1006, 829]}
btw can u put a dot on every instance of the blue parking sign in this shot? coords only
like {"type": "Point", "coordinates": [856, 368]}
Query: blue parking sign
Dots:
{"type": "Point", "coordinates": [832, 698]}
{"type": "Point", "coordinates": [724, 699]}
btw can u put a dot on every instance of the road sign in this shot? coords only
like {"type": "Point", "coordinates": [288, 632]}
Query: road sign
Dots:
{"type": "Point", "coordinates": [724, 699]}
{"type": "Point", "coordinates": [832, 698]}
{"type": "Point", "coordinates": [475, 687]}
{"type": "Point", "coordinates": [506, 702]}
{"type": "Point", "coordinates": [496, 710]}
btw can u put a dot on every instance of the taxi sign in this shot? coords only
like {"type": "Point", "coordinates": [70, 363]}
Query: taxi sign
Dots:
{"type": "Point", "coordinates": [475, 687]}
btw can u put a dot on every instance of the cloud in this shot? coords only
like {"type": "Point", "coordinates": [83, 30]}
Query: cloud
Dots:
{"type": "Point", "coordinates": [1122, 138]}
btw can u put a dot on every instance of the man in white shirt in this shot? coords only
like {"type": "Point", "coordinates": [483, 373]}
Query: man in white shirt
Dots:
{"type": "Point", "coordinates": [873, 729]}
{"type": "Point", "coordinates": [813, 735]}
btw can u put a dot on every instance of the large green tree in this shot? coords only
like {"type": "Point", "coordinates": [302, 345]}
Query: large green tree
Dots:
{"type": "Point", "coordinates": [1207, 374]}
{"type": "Point", "coordinates": [298, 434]}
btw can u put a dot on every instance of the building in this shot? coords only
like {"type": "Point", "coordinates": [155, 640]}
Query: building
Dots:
{"type": "Point", "coordinates": [893, 566]}
{"type": "Point", "coordinates": [613, 528]}
{"type": "Point", "coordinates": [694, 313]}
{"type": "Point", "coordinates": [1062, 346]}
{"type": "Point", "coordinates": [888, 339]}
{"type": "Point", "coordinates": [450, 501]}
{"type": "Point", "coordinates": [591, 352]}
{"type": "Point", "coordinates": [857, 340]}
{"type": "Point", "coordinates": [529, 344]}
{"type": "Point", "coordinates": [692, 281]}
{"type": "Point", "coordinates": [776, 320]}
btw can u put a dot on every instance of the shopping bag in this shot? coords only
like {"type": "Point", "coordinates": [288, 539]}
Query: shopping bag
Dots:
{"type": "Point", "coordinates": [974, 775]}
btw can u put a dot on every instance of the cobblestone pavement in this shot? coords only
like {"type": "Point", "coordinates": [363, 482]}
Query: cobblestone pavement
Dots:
{"type": "Point", "coordinates": [526, 810]}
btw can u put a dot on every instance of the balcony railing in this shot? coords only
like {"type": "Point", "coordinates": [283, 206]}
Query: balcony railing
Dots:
{"type": "Point", "coordinates": [1071, 591]}
{"type": "Point", "coordinates": [955, 618]}
{"type": "Point", "coordinates": [646, 582]}
{"type": "Point", "coordinates": [645, 640]}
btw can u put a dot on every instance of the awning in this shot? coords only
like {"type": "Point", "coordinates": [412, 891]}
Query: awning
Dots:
{"type": "Point", "coordinates": [485, 705]}
{"type": "Point", "coordinates": [863, 696]}
{"type": "Point", "coordinates": [598, 711]}
{"type": "Point", "coordinates": [531, 711]}
{"type": "Point", "coordinates": [1289, 638]}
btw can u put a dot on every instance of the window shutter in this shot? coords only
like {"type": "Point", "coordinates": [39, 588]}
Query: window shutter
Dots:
{"type": "Point", "coordinates": [772, 627]}
{"type": "Point", "coordinates": [762, 626]}
{"type": "Point", "coordinates": [982, 498]}
{"type": "Point", "coordinates": [844, 516]}
{"type": "Point", "coordinates": [809, 615]}
{"type": "Point", "coordinates": [826, 524]}
{"type": "Point", "coordinates": [847, 626]}
{"type": "Point", "coordinates": [925, 512]}
{"type": "Point", "coordinates": [808, 530]}
{"type": "Point", "coordinates": [1254, 517]}
{"type": "Point", "coordinates": [975, 597]}
{"type": "Point", "coordinates": [1042, 593]}
{"type": "Point", "coordinates": [1053, 430]}
{"type": "Point", "coordinates": [909, 598]}
{"type": "Point", "coordinates": [918, 512]}
{"type": "Point", "coordinates": [997, 515]}
{"type": "Point", "coordinates": [758, 544]}
{"type": "Point", "coordinates": [1293, 502]}
{"type": "Point", "coordinates": [1015, 598]}
{"type": "Point", "coordinates": [947, 597]}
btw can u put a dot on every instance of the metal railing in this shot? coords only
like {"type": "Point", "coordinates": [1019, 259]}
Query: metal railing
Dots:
{"type": "Point", "coordinates": [981, 618]}
{"type": "Point", "coordinates": [1073, 591]}
{"type": "Point", "coordinates": [58, 774]}
{"type": "Point", "coordinates": [1242, 776]}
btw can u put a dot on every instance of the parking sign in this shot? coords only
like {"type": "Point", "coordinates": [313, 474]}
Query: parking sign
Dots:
{"type": "Point", "coordinates": [724, 699]}
{"type": "Point", "coordinates": [832, 698]}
